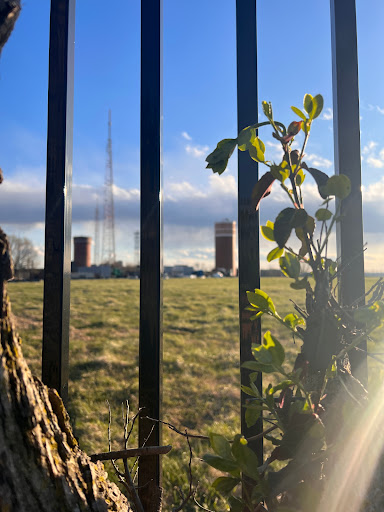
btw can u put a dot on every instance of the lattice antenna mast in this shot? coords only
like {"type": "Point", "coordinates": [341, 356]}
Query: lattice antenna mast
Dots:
{"type": "Point", "coordinates": [109, 252]}
{"type": "Point", "coordinates": [136, 250]}
{"type": "Point", "coordinates": [96, 254]}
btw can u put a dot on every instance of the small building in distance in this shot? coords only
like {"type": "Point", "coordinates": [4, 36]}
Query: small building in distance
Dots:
{"type": "Point", "coordinates": [225, 246]}
{"type": "Point", "coordinates": [178, 271]}
{"type": "Point", "coordinates": [82, 251]}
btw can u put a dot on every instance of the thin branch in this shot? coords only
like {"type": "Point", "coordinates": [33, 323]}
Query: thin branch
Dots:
{"type": "Point", "coordinates": [206, 438]}
{"type": "Point", "coordinates": [262, 434]}
{"type": "Point", "coordinates": [131, 452]}
{"type": "Point", "coordinates": [372, 355]}
{"type": "Point", "coordinates": [143, 445]}
{"type": "Point", "coordinates": [191, 491]}
{"type": "Point", "coordinates": [131, 489]}
{"type": "Point", "coordinates": [115, 466]}
{"type": "Point", "coordinates": [201, 506]}
{"type": "Point", "coordinates": [172, 427]}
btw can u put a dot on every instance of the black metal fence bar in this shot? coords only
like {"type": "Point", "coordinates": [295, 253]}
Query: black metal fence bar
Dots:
{"type": "Point", "coordinates": [151, 237]}
{"type": "Point", "coordinates": [57, 275]}
{"type": "Point", "coordinates": [248, 219]}
{"type": "Point", "coordinates": [346, 121]}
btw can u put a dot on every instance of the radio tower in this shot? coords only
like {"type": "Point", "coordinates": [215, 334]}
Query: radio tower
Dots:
{"type": "Point", "coordinates": [136, 250]}
{"type": "Point", "coordinates": [96, 255]}
{"type": "Point", "coordinates": [108, 249]}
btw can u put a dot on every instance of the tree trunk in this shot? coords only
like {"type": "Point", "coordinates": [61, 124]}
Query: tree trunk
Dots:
{"type": "Point", "coordinates": [42, 468]}
{"type": "Point", "coordinates": [9, 12]}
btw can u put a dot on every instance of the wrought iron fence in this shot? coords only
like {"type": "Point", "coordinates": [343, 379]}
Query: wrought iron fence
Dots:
{"type": "Point", "coordinates": [55, 356]}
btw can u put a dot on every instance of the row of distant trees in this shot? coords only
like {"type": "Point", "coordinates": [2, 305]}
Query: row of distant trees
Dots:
{"type": "Point", "coordinates": [24, 253]}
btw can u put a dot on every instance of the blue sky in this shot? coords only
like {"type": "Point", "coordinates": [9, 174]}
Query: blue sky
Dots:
{"type": "Point", "coordinates": [294, 57]}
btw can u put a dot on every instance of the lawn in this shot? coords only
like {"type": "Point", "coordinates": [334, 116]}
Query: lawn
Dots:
{"type": "Point", "coordinates": [200, 366]}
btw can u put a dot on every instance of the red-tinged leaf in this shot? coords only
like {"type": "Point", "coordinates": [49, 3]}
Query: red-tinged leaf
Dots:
{"type": "Point", "coordinates": [262, 189]}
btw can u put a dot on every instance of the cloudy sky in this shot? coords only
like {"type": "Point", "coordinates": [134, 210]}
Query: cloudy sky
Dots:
{"type": "Point", "coordinates": [199, 109]}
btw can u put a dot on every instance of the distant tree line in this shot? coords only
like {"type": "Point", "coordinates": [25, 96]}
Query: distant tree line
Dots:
{"type": "Point", "coordinates": [24, 253]}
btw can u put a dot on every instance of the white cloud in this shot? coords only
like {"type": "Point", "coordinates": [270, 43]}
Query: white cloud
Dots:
{"type": "Point", "coordinates": [370, 146]}
{"type": "Point", "coordinates": [274, 150]}
{"type": "Point", "coordinates": [371, 157]}
{"type": "Point", "coordinates": [197, 151]}
{"type": "Point", "coordinates": [375, 162]}
{"type": "Point", "coordinates": [186, 136]}
{"type": "Point", "coordinates": [318, 161]}
{"type": "Point", "coordinates": [327, 114]}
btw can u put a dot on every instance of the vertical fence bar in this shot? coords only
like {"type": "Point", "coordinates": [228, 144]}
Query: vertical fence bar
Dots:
{"type": "Point", "coordinates": [248, 219]}
{"type": "Point", "coordinates": [151, 237]}
{"type": "Point", "coordinates": [57, 275]}
{"type": "Point", "coordinates": [346, 122]}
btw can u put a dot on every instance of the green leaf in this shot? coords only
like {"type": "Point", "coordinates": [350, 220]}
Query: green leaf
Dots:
{"type": "Point", "coordinates": [338, 186]}
{"type": "Point", "coordinates": [258, 367]}
{"type": "Point", "coordinates": [220, 445]}
{"type": "Point", "coordinates": [257, 150]}
{"type": "Point", "coordinates": [275, 253]}
{"type": "Point", "coordinates": [274, 440]}
{"type": "Point", "coordinates": [267, 109]}
{"type": "Point", "coordinates": [254, 317]}
{"type": "Point", "coordinates": [225, 484]}
{"type": "Point", "coordinates": [300, 177]}
{"type": "Point", "coordinates": [290, 265]}
{"type": "Point", "coordinates": [293, 320]}
{"type": "Point", "coordinates": [267, 233]}
{"type": "Point", "coordinates": [299, 284]}
{"type": "Point", "coordinates": [280, 172]}
{"type": "Point", "coordinates": [252, 415]}
{"type": "Point", "coordinates": [261, 300]}
{"type": "Point", "coordinates": [279, 387]}
{"type": "Point", "coordinates": [262, 189]}
{"type": "Point", "coordinates": [308, 104]}
{"type": "Point", "coordinates": [298, 112]}
{"type": "Point", "coordinates": [218, 159]}
{"type": "Point", "coordinates": [323, 214]}
{"type": "Point", "coordinates": [246, 138]}
{"type": "Point", "coordinates": [310, 228]}
{"type": "Point", "coordinates": [318, 103]}
{"type": "Point", "coordinates": [236, 504]}
{"type": "Point", "coordinates": [313, 105]}
{"type": "Point", "coordinates": [273, 345]}
{"type": "Point", "coordinates": [245, 457]}
{"type": "Point", "coordinates": [249, 391]}
{"type": "Point", "coordinates": [288, 219]}
{"type": "Point", "coordinates": [219, 463]}
{"type": "Point", "coordinates": [283, 226]}
{"type": "Point", "coordinates": [270, 352]}
{"type": "Point", "coordinates": [321, 180]}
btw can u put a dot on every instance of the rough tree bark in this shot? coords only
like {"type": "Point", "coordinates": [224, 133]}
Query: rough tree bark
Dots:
{"type": "Point", "coordinates": [42, 468]}
{"type": "Point", "coordinates": [9, 12]}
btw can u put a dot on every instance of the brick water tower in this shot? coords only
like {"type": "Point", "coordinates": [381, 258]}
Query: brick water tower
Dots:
{"type": "Point", "coordinates": [225, 244]}
{"type": "Point", "coordinates": [82, 246]}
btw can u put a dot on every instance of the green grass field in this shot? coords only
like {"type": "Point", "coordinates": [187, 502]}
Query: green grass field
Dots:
{"type": "Point", "coordinates": [200, 359]}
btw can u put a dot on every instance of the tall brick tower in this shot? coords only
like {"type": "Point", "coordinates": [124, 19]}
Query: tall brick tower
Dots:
{"type": "Point", "coordinates": [225, 243]}
{"type": "Point", "coordinates": [82, 251]}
